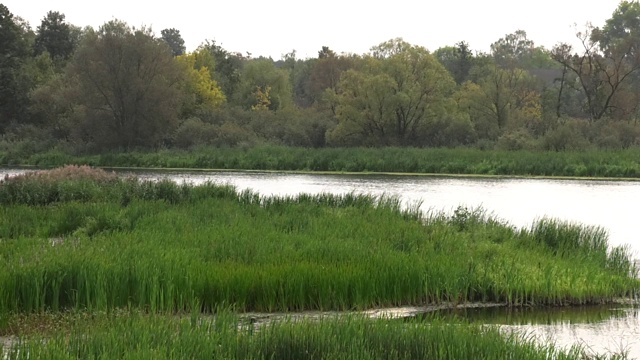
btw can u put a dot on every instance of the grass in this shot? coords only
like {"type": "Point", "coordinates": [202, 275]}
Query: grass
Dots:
{"type": "Point", "coordinates": [85, 243]}
{"type": "Point", "coordinates": [96, 266]}
{"type": "Point", "coordinates": [592, 163]}
{"type": "Point", "coordinates": [226, 336]}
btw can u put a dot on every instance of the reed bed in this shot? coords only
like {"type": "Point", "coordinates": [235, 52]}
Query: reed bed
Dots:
{"type": "Point", "coordinates": [171, 248]}
{"type": "Point", "coordinates": [228, 337]}
{"type": "Point", "coordinates": [593, 163]}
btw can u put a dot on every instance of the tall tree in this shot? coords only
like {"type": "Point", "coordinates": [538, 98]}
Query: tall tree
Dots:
{"type": "Point", "coordinates": [264, 86]}
{"type": "Point", "coordinates": [299, 76]}
{"type": "Point", "coordinates": [601, 74]}
{"type": "Point", "coordinates": [173, 38]}
{"type": "Point", "coordinates": [129, 86]}
{"type": "Point", "coordinates": [54, 36]}
{"type": "Point", "coordinates": [517, 50]}
{"type": "Point", "coordinates": [512, 48]}
{"type": "Point", "coordinates": [457, 59]}
{"type": "Point", "coordinates": [499, 98]}
{"type": "Point", "coordinates": [13, 52]}
{"type": "Point", "coordinates": [228, 68]}
{"type": "Point", "coordinates": [326, 73]}
{"type": "Point", "coordinates": [400, 89]}
{"type": "Point", "coordinates": [202, 91]}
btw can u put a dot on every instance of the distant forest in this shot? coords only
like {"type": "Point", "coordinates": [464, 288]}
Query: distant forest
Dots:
{"type": "Point", "coordinates": [119, 87]}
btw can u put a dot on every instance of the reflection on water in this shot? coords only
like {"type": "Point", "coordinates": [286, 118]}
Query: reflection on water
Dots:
{"type": "Point", "coordinates": [600, 330]}
{"type": "Point", "coordinates": [542, 316]}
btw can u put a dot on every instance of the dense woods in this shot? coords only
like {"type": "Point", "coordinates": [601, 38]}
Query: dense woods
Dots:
{"type": "Point", "coordinates": [120, 87]}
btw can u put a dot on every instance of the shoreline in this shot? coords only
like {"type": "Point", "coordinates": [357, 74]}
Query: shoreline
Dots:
{"type": "Point", "coordinates": [336, 173]}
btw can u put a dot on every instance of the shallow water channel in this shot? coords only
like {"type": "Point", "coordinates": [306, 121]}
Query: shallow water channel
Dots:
{"type": "Point", "coordinates": [611, 329]}
{"type": "Point", "coordinates": [612, 205]}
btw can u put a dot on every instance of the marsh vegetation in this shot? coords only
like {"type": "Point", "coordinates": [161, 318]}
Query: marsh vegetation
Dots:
{"type": "Point", "coordinates": [86, 241]}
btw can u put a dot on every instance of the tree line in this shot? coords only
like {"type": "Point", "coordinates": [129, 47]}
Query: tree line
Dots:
{"type": "Point", "coordinates": [119, 87]}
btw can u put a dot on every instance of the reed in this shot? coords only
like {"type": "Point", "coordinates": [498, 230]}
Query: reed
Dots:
{"type": "Point", "coordinates": [166, 247]}
{"type": "Point", "coordinates": [228, 337]}
{"type": "Point", "coordinates": [591, 163]}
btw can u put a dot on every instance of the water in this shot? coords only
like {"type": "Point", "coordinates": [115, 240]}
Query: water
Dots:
{"type": "Point", "coordinates": [599, 330]}
{"type": "Point", "coordinates": [610, 204]}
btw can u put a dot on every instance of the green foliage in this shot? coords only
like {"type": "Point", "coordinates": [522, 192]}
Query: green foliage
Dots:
{"type": "Point", "coordinates": [228, 68]}
{"type": "Point", "coordinates": [202, 93]}
{"type": "Point", "coordinates": [13, 52]}
{"type": "Point", "coordinates": [175, 41]}
{"type": "Point", "coordinates": [458, 60]}
{"type": "Point", "coordinates": [54, 37]}
{"type": "Point", "coordinates": [262, 76]}
{"type": "Point", "coordinates": [500, 98]}
{"type": "Point", "coordinates": [127, 81]}
{"type": "Point", "coordinates": [392, 99]}
{"type": "Point", "coordinates": [229, 336]}
{"type": "Point", "coordinates": [580, 162]}
{"type": "Point", "coordinates": [72, 238]}
{"type": "Point", "coordinates": [516, 50]}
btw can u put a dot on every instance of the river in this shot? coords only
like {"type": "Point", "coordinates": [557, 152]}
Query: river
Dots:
{"type": "Point", "coordinates": [612, 205]}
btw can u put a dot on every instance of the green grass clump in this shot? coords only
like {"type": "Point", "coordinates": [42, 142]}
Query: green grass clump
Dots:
{"type": "Point", "coordinates": [228, 337]}
{"type": "Point", "coordinates": [166, 247]}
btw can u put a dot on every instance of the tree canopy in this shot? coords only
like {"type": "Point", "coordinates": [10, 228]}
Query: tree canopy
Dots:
{"type": "Point", "coordinates": [129, 86]}
{"type": "Point", "coordinates": [120, 87]}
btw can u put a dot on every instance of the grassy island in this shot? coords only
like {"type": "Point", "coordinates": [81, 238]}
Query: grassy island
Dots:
{"type": "Point", "coordinates": [82, 240]}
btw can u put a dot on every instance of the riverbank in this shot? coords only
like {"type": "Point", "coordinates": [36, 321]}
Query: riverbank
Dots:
{"type": "Point", "coordinates": [226, 336]}
{"type": "Point", "coordinates": [75, 237]}
{"type": "Point", "coordinates": [622, 164]}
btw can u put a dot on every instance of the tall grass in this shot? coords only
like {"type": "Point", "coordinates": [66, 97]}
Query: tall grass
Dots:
{"type": "Point", "coordinates": [227, 337]}
{"type": "Point", "coordinates": [165, 247]}
{"type": "Point", "coordinates": [593, 163]}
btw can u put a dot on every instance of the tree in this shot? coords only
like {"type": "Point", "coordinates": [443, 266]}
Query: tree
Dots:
{"type": "Point", "coordinates": [517, 50]}
{"type": "Point", "coordinates": [263, 83]}
{"type": "Point", "coordinates": [129, 86]}
{"type": "Point", "coordinates": [299, 77]}
{"type": "Point", "coordinates": [512, 48]}
{"type": "Point", "coordinates": [203, 92]}
{"type": "Point", "coordinates": [173, 38]}
{"type": "Point", "coordinates": [228, 68]}
{"type": "Point", "coordinates": [400, 89]}
{"type": "Point", "coordinates": [54, 36]}
{"type": "Point", "coordinates": [13, 52]}
{"type": "Point", "coordinates": [499, 98]}
{"type": "Point", "coordinates": [622, 30]}
{"type": "Point", "coordinates": [602, 74]}
{"type": "Point", "coordinates": [458, 60]}
{"type": "Point", "coordinates": [326, 73]}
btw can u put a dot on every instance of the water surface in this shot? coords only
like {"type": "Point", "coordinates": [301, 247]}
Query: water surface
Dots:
{"type": "Point", "coordinates": [607, 329]}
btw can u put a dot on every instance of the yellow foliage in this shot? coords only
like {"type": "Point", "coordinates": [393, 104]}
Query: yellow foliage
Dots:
{"type": "Point", "coordinates": [204, 90]}
{"type": "Point", "coordinates": [262, 98]}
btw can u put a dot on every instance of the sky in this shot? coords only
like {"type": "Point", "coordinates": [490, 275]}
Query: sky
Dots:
{"type": "Point", "coordinates": [276, 27]}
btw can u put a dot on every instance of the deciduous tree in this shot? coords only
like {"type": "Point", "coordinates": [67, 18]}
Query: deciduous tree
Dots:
{"type": "Point", "coordinates": [260, 79]}
{"type": "Point", "coordinates": [202, 92]}
{"type": "Point", "coordinates": [392, 99]}
{"type": "Point", "coordinates": [129, 86]}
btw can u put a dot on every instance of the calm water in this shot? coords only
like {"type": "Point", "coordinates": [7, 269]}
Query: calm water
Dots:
{"type": "Point", "coordinates": [600, 330]}
{"type": "Point", "coordinates": [612, 205]}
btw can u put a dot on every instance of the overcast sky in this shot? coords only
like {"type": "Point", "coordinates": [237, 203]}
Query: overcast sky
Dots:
{"type": "Point", "coordinates": [272, 28]}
